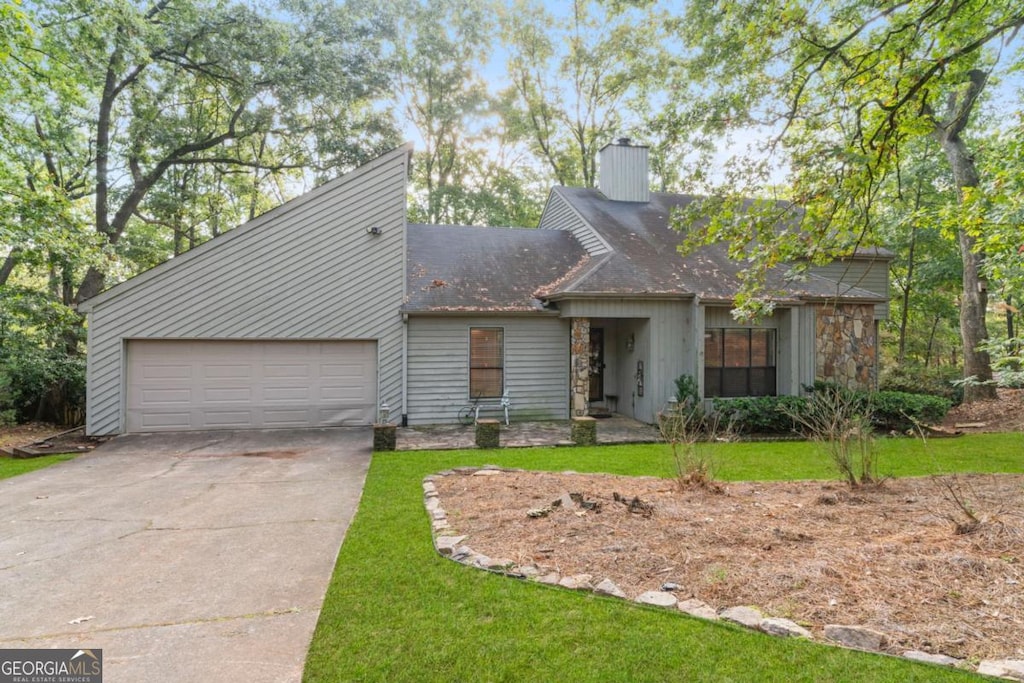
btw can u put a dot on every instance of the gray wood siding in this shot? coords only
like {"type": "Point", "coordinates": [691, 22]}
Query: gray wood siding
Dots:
{"type": "Point", "coordinates": [624, 173]}
{"type": "Point", "coordinates": [869, 274]}
{"type": "Point", "coordinates": [720, 316]}
{"type": "Point", "coordinates": [560, 215]}
{"type": "Point", "coordinates": [664, 344]}
{"type": "Point", "coordinates": [536, 366]}
{"type": "Point", "coordinates": [306, 270]}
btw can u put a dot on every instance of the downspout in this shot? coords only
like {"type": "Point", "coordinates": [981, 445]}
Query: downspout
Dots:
{"type": "Point", "coordinates": [405, 369]}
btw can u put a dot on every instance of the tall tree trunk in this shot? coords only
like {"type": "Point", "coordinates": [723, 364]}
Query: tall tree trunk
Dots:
{"type": "Point", "coordinates": [8, 266]}
{"type": "Point", "coordinates": [905, 312]}
{"type": "Point", "coordinates": [973, 330]}
{"type": "Point", "coordinates": [931, 342]}
{"type": "Point", "coordinates": [1010, 334]}
{"type": "Point", "coordinates": [974, 299]}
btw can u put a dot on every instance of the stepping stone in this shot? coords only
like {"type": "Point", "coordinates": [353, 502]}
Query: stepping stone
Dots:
{"type": "Point", "coordinates": [608, 587]}
{"type": "Point", "coordinates": [657, 598]}
{"type": "Point", "coordinates": [698, 608]}
{"type": "Point", "coordinates": [744, 616]}
{"type": "Point", "coordinates": [1004, 668]}
{"type": "Point", "coordinates": [929, 658]}
{"type": "Point", "coordinates": [784, 628]}
{"type": "Point", "coordinates": [859, 637]}
{"type": "Point", "coordinates": [447, 544]}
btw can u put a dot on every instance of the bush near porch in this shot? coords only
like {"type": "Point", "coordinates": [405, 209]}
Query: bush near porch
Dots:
{"type": "Point", "coordinates": [890, 411]}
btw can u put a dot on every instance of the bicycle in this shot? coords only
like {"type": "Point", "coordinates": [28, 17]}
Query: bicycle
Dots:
{"type": "Point", "coordinates": [467, 414]}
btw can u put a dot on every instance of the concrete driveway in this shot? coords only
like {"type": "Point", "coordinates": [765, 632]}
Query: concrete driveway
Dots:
{"type": "Point", "coordinates": [188, 557]}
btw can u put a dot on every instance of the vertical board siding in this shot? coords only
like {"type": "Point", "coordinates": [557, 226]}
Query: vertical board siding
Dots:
{"type": "Point", "coordinates": [307, 270]}
{"type": "Point", "coordinates": [560, 215]}
{"type": "Point", "coordinates": [869, 274]}
{"type": "Point", "coordinates": [536, 366]}
{"type": "Point", "coordinates": [720, 316]}
{"type": "Point", "coordinates": [624, 173]}
{"type": "Point", "coordinates": [664, 344]}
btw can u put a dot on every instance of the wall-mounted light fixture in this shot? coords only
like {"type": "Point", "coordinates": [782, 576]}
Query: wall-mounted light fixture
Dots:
{"type": "Point", "coordinates": [631, 342]}
{"type": "Point", "coordinates": [374, 230]}
{"type": "Point", "coordinates": [384, 414]}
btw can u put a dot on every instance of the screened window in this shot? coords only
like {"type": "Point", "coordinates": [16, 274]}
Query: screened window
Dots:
{"type": "Point", "coordinates": [486, 362]}
{"type": "Point", "coordinates": [739, 362]}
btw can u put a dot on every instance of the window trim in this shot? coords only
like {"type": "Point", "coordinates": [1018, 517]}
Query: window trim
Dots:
{"type": "Point", "coordinates": [500, 367]}
{"type": "Point", "coordinates": [749, 369]}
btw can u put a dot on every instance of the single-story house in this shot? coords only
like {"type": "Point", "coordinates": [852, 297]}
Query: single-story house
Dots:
{"type": "Point", "coordinates": [323, 309]}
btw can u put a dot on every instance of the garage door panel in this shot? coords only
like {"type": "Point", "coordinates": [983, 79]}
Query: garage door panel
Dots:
{"type": "Point", "coordinates": [177, 385]}
{"type": "Point", "coordinates": [286, 394]}
{"type": "Point", "coordinates": [165, 421]}
{"type": "Point", "coordinates": [227, 395]}
{"type": "Point", "coordinates": [166, 397]}
{"type": "Point", "coordinates": [217, 419]}
{"type": "Point", "coordinates": [221, 371]}
{"type": "Point", "coordinates": [287, 371]}
{"type": "Point", "coordinates": [341, 416]}
{"type": "Point", "coordinates": [159, 370]}
{"type": "Point", "coordinates": [286, 418]}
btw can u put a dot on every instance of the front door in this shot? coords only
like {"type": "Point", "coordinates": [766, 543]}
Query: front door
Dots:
{"type": "Point", "coordinates": [596, 364]}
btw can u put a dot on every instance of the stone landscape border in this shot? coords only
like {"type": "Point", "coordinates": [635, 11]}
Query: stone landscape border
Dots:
{"type": "Point", "coordinates": [454, 547]}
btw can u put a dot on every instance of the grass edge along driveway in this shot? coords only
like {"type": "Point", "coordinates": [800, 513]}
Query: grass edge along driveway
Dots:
{"type": "Point", "coordinates": [396, 611]}
{"type": "Point", "coordinates": [12, 467]}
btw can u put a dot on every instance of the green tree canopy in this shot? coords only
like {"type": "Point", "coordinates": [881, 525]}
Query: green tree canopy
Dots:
{"type": "Point", "coordinates": [847, 86]}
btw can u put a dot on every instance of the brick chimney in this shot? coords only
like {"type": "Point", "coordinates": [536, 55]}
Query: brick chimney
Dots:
{"type": "Point", "coordinates": [623, 172]}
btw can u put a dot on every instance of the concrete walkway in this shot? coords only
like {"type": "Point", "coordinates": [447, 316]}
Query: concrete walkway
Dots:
{"type": "Point", "coordinates": [190, 557]}
{"type": "Point", "coordinates": [611, 430]}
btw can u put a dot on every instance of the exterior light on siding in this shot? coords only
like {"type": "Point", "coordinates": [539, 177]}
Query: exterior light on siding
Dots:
{"type": "Point", "coordinates": [631, 343]}
{"type": "Point", "coordinates": [374, 230]}
{"type": "Point", "coordinates": [384, 414]}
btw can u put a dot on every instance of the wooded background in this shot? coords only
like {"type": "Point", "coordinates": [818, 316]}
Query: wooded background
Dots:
{"type": "Point", "coordinates": [132, 131]}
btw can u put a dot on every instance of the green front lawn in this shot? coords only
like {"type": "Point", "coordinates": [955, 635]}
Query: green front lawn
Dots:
{"type": "Point", "coordinates": [396, 611]}
{"type": "Point", "coordinates": [12, 467]}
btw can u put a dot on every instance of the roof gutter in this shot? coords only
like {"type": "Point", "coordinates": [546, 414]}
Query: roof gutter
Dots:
{"type": "Point", "coordinates": [658, 296]}
{"type": "Point", "coordinates": [468, 313]}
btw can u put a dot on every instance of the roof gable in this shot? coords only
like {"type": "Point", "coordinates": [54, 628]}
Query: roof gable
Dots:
{"type": "Point", "coordinates": [644, 256]}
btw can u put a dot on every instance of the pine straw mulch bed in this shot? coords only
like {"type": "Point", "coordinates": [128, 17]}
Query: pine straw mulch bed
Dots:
{"type": "Point", "coordinates": [816, 552]}
{"type": "Point", "coordinates": [1005, 414]}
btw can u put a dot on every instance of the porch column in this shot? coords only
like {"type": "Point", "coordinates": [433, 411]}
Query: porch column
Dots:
{"type": "Point", "coordinates": [579, 366]}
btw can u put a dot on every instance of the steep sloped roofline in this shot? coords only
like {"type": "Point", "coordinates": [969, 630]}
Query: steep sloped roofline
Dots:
{"type": "Point", "coordinates": [558, 191]}
{"type": "Point", "coordinates": [314, 195]}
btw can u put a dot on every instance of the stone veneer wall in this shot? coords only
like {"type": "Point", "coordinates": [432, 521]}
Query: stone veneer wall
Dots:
{"type": "Point", "coordinates": [579, 366]}
{"type": "Point", "coordinates": [846, 351]}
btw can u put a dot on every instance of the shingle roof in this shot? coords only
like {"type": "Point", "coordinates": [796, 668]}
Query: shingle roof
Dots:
{"type": "Point", "coordinates": [645, 260]}
{"type": "Point", "coordinates": [458, 268]}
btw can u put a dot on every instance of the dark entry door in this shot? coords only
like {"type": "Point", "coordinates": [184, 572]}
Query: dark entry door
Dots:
{"type": "Point", "coordinates": [596, 364]}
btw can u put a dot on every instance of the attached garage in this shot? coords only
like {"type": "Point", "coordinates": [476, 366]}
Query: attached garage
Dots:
{"type": "Point", "coordinates": [176, 385]}
{"type": "Point", "coordinates": [292, 320]}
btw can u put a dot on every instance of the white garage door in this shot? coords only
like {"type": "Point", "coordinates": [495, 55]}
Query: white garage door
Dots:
{"type": "Point", "coordinates": [176, 385]}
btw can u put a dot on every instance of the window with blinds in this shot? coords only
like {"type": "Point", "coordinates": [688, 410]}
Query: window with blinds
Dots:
{"type": "Point", "coordinates": [486, 362]}
{"type": "Point", "coordinates": [739, 362]}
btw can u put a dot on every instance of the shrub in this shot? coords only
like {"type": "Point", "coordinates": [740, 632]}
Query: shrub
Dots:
{"type": "Point", "coordinates": [900, 411]}
{"type": "Point", "coordinates": [687, 431]}
{"type": "Point", "coordinates": [38, 385]}
{"type": "Point", "coordinates": [760, 415]}
{"type": "Point", "coordinates": [688, 398]}
{"type": "Point", "coordinates": [1010, 379]}
{"type": "Point", "coordinates": [912, 379]}
{"type": "Point", "coordinates": [888, 410]}
{"type": "Point", "coordinates": [838, 420]}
